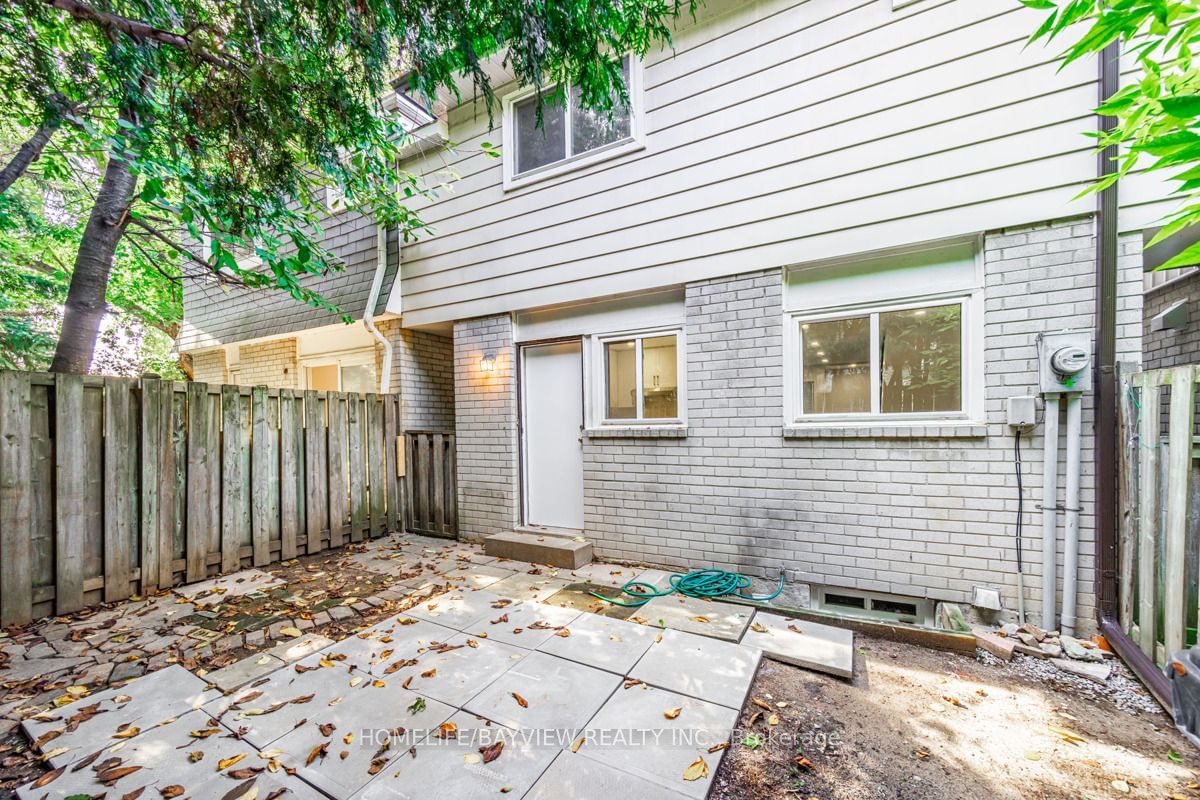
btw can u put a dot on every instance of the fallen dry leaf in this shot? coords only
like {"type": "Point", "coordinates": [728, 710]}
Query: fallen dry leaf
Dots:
{"type": "Point", "coordinates": [128, 733]}
{"type": "Point", "coordinates": [696, 770]}
{"type": "Point", "coordinates": [447, 730]}
{"type": "Point", "coordinates": [492, 751]}
{"type": "Point", "coordinates": [521, 701]}
{"type": "Point", "coordinates": [758, 627]}
{"type": "Point", "coordinates": [48, 777]}
{"type": "Point", "coordinates": [578, 744]}
{"type": "Point", "coordinates": [226, 763]}
{"type": "Point", "coordinates": [317, 752]}
{"type": "Point", "coordinates": [672, 713]}
{"type": "Point", "coordinates": [168, 792]}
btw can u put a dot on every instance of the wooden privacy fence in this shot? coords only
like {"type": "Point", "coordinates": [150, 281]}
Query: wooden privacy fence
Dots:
{"type": "Point", "coordinates": [1159, 539]}
{"type": "Point", "coordinates": [431, 483]}
{"type": "Point", "coordinates": [115, 486]}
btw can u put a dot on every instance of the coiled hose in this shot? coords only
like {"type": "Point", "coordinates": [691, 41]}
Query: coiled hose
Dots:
{"type": "Point", "coordinates": [706, 583]}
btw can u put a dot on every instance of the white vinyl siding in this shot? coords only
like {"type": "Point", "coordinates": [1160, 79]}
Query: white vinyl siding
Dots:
{"type": "Point", "coordinates": [778, 133]}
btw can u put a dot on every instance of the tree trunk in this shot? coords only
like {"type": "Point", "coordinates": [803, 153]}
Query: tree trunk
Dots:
{"type": "Point", "coordinates": [89, 281]}
{"type": "Point", "coordinates": [30, 152]}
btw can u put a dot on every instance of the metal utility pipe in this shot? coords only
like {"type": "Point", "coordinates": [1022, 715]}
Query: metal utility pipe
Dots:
{"type": "Point", "coordinates": [1049, 513]}
{"type": "Point", "coordinates": [385, 374]}
{"type": "Point", "coordinates": [1071, 510]}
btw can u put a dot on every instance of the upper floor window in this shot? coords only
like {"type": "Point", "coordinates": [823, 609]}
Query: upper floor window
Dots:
{"type": "Point", "coordinates": [570, 135]}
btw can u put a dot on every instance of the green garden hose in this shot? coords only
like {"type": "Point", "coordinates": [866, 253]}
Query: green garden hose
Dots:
{"type": "Point", "coordinates": [706, 583]}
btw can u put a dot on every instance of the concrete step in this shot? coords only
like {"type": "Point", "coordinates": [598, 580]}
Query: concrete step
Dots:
{"type": "Point", "coordinates": [539, 548]}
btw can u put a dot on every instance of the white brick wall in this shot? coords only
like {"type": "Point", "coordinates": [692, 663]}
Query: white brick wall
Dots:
{"type": "Point", "coordinates": [271, 363]}
{"type": "Point", "coordinates": [209, 366]}
{"type": "Point", "coordinates": [485, 421]}
{"type": "Point", "coordinates": [423, 374]}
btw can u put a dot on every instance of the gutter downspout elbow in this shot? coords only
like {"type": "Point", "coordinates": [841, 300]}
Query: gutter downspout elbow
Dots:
{"type": "Point", "coordinates": [385, 374]}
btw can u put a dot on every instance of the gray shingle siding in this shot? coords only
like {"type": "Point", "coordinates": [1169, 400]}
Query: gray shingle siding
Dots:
{"type": "Point", "coordinates": [213, 315]}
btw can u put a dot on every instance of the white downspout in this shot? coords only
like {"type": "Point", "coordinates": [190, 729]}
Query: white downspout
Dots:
{"type": "Point", "coordinates": [385, 375]}
{"type": "Point", "coordinates": [1071, 504]}
{"type": "Point", "coordinates": [1049, 514]}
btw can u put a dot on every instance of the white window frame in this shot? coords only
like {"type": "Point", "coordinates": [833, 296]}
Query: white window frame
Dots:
{"type": "Point", "coordinates": [972, 362]}
{"type": "Point", "coordinates": [635, 140]}
{"type": "Point", "coordinates": [349, 358]}
{"type": "Point", "coordinates": [595, 368]}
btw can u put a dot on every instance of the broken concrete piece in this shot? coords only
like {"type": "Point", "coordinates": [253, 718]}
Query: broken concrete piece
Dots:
{"type": "Point", "coordinates": [1078, 650]}
{"type": "Point", "coordinates": [1025, 649]}
{"type": "Point", "coordinates": [1033, 630]}
{"type": "Point", "coordinates": [1093, 672]}
{"type": "Point", "coordinates": [1028, 639]}
{"type": "Point", "coordinates": [703, 617]}
{"type": "Point", "coordinates": [999, 646]}
{"type": "Point", "coordinates": [807, 644]}
{"type": "Point", "coordinates": [1052, 649]}
{"type": "Point", "coordinates": [1009, 629]}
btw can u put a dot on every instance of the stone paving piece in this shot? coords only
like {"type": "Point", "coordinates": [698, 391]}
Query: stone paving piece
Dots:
{"type": "Point", "coordinates": [804, 643]}
{"type": "Point", "coordinates": [523, 586]}
{"type": "Point", "coordinates": [609, 644]}
{"type": "Point", "coordinates": [361, 723]}
{"type": "Point", "coordinates": [632, 733]}
{"type": "Point", "coordinates": [453, 768]}
{"type": "Point", "coordinates": [459, 672]}
{"type": "Point", "coordinates": [536, 622]}
{"type": "Point", "coordinates": [703, 617]}
{"type": "Point", "coordinates": [385, 563]}
{"type": "Point", "coordinates": [477, 576]}
{"type": "Point", "coordinates": [460, 609]}
{"type": "Point", "coordinates": [574, 777]}
{"type": "Point", "coordinates": [239, 673]}
{"type": "Point", "coordinates": [235, 584]}
{"type": "Point", "coordinates": [21, 671]}
{"type": "Point", "coordinates": [658, 578]}
{"type": "Point", "coordinates": [394, 639]}
{"type": "Point", "coordinates": [708, 669]}
{"type": "Point", "coordinates": [559, 695]}
{"type": "Point", "coordinates": [143, 704]}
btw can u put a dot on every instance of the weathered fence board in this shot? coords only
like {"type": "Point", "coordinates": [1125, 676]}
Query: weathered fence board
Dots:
{"type": "Point", "coordinates": [16, 502]}
{"type": "Point", "coordinates": [430, 486]}
{"type": "Point", "coordinates": [116, 486]}
{"type": "Point", "coordinates": [1160, 530]}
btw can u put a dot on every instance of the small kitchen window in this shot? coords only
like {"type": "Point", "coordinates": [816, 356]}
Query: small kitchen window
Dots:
{"type": "Point", "coordinates": [640, 379]}
{"type": "Point", "coordinates": [570, 135]}
{"type": "Point", "coordinates": [900, 362]}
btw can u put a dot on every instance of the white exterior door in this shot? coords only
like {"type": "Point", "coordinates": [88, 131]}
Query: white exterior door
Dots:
{"type": "Point", "coordinates": [552, 425]}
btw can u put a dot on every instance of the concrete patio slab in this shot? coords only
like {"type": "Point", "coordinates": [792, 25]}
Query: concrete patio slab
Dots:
{"type": "Point", "coordinates": [658, 578]}
{"type": "Point", "coordinates": [162, 756]}
{"type": "Point", "coordinates": [632, 733]}
{"type": "Point", "coordinates": [271, 707]}
{"type": "Point", "coordinates": [397, 638]}
{"type": "Point", "coordinates": [477, 576]}
{"type": "Point", "coordinates": [609, 644]}
{"type": "Point", "coordinates": [524, 586]}
{"type": "Point", "coordinates": [453, 767]}
{"type": "Point", "coordinates": [811, 645]}
{"type": "Point", "coordinates": [574, 777]}
{"type": "Point", "coordinates": [21, 671]}
{"type": "Point", "coordinates": [526, 624]}
{"type": "Point", "coordinates": [292, 650]}
{"type": "Point", "coordinates": [703, 617]}
{"type": "Point", "coordinates": [459, 672]}
{"type": "Point", "coordinates": [239, 673]}
{"type": "Point", "coordinates": [369, 728]}
{"type": "Point", "coordinates": [141, 704]}
{"type": "Point", "coordinates": [558, 694]}
{"type": "Point", "coordinates": [389, 562]}
{"type": "Point", "coordinates": [700, 667]}
{"type": "Point", "coordinates": [236, 584]}
{"type": "Point", "coordinates": [602, 574]}
{"type": "Point", "coordinates": [460, 609]}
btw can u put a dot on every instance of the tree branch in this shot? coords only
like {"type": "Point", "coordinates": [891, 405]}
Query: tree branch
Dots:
{"type": "Point", "coordinates": [113, 24]}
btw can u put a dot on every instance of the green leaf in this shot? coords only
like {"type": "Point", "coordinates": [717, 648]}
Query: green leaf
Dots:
{"type": "Point", "coordinates": [1184, 106]}
{"type": "Point", "coordinates": [1171, 754]}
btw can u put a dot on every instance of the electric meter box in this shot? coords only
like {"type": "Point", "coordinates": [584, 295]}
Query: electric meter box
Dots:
{"type": "Point", "coordinates": [1065, 362]}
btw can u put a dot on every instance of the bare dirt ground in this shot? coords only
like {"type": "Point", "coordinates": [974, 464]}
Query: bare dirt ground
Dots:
{"type": "Point", "coordinates": [923, 724]}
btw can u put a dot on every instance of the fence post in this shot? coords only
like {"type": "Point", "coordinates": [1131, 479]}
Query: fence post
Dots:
{"type": "Point", "coordinates": [1148, 515]}
{"type": "Point", "coordinates": [16, 502]}
{"type": "Point", "coordinates": [119, 487]}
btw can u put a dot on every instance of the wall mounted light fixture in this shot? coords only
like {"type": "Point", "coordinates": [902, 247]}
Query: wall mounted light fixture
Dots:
{"type": "Point", "coordinates": [488, 362]}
